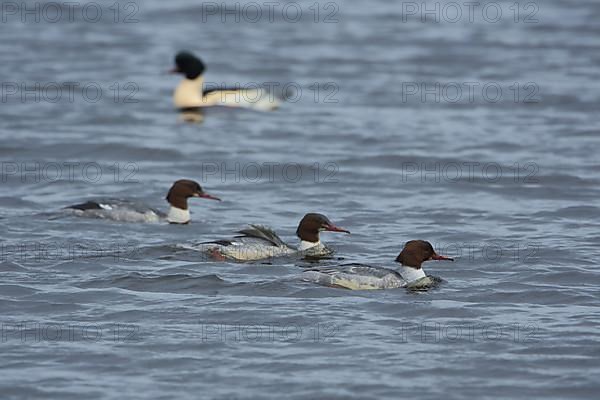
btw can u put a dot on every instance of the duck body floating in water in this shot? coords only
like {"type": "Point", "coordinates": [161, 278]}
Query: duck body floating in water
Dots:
{"type": "Point", "coordinates": [191, 95]}
{"type": "Point", "coordinates": [259, 242]}
{"type": "Point", "coordinates": [127, 210]}
{"type": "Point", "coordinates": [365, 277]}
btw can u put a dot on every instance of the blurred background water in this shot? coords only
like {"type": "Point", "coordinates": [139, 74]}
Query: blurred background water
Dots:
{"type": "Point", "coordinates": [475, 128]}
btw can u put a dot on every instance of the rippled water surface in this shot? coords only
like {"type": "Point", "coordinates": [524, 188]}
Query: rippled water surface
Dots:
{"type": "Point", "coordinates": [377, 137]}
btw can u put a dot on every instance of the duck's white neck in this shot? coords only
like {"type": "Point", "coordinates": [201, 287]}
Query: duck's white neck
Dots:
{"type": "Point", "coordinates": [305, 245]}
{"type": "Point", "coordinates": [410, 274]}
{"type": "Point", "coordinates": [178, 216]}
{"type": "Point", "coordinates": [189, 93]}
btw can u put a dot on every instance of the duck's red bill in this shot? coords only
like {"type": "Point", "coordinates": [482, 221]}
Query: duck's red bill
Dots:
{"type": "Point", "coordinates": [441, 258]}
{"type": "Point", "coordinates": [333, 228]}
{"type": "Point", "coordinates": [208, 196]}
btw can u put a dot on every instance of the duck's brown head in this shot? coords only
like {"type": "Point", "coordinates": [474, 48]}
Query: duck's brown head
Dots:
{"type": "Point", "coordinates": [416, 252]}
{"type": "Point", "coordinates": [313, 223]}
{"type": "Point", "coordinates": [183, 189]}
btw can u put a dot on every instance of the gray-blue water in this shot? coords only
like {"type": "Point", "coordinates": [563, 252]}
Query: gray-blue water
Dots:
{"type": "Point", "coordinates": [478, 132]}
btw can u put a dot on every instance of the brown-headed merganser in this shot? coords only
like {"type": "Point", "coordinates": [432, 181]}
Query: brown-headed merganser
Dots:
{"type": "Point", "coordinates": [364, 277]}
{"type": "Point", "coordinates": [190, 95]}
{"type": "Point", "coordinates": [134, 211]}
{"type": "Point", "coordinates": [258, 242]}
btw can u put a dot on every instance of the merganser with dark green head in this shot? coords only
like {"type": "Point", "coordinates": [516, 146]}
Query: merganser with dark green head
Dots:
{"type": "Point", "coordinates": [191, 95]}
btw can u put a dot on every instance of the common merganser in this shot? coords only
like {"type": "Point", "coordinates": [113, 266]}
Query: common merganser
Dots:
{"type": "Point", "coordinates": [365, 277]}
{"type": "Point", "coordinates": [134, 211]}
{"type": "Point", "coordinates": [191, 96]}
{"type": "Point", "coordinates": [258, 242]}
